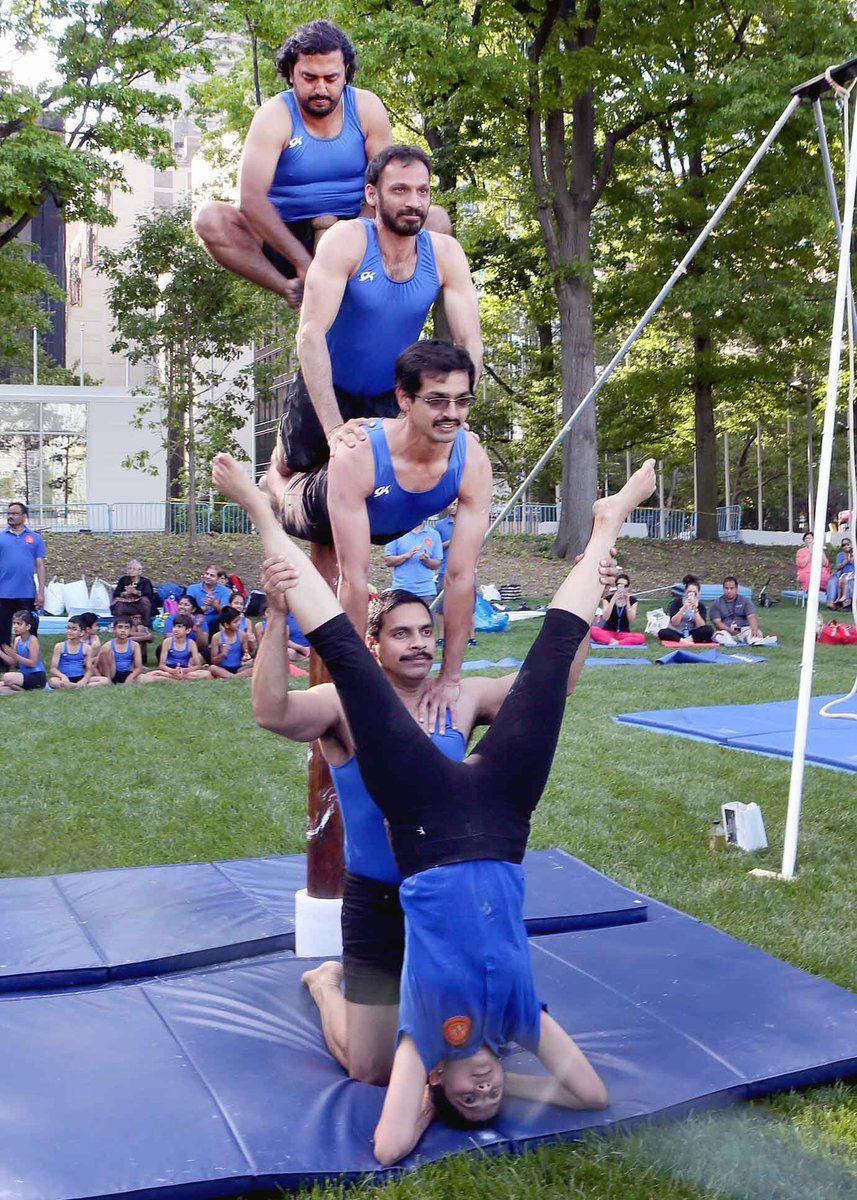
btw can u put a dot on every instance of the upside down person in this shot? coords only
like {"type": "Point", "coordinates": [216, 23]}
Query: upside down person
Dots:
{"type": "Point", "coordinates": [459, 832]}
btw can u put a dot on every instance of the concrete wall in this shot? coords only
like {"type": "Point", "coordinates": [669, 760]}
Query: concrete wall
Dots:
{"type": "Point", "coordinates": [110, 437]}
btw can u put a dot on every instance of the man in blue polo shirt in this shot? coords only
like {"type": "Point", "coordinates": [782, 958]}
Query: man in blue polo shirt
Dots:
{"type": "Point", "coordinates": [22, 555]}
{"type": "Point", "coordinates": [415, 557]}
{"type": "Point", "coordinates": [210, 596]}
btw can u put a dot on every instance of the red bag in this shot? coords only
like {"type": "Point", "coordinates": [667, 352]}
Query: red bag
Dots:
{"type": "Point", "coordinates": [836, 634]}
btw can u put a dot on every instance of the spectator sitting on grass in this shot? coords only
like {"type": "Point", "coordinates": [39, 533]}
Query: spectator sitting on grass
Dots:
{"type": "Point", "coordinates": [845, 582]}
{"type": "Point", "coordinates": [803, 560]}
{"type": "Point", "coordinates": [180, 659]}
{"type": "Point", "coordinates": [120, 660]}
{"type": "Point", "coordinates": [72, 661]}
{"type": "Point", "coordinates": [734, 616]}
{"type": "Point", "coordinates": [188, 607]}
{"type": "Point", "coordinates": [210, 596]}
{"type": "Point", "coordinates": [238, 602]}
{"type": "Point", "coordinates": [89, 623]}
{"type": "Point", "coordinates": [23, 657]}
{"type": "Point", "coordinates": [619, 614]}
{"type": "Point", "coordinates": [142, 635]}
{"type": "Point", "coordinates": [842, 559]}
{"type": "Point", "coordinates": [230, 654]}
{"type": "Point", "coordinates": [134, 594]}
{"type": "Point", "coordinates": [687, 616]}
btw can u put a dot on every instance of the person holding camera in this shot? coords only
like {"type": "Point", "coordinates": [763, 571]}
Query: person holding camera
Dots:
{"type": "Point", "coordinates": [688, 616]}
{"type": "Point", "coordinates": [619, 612]}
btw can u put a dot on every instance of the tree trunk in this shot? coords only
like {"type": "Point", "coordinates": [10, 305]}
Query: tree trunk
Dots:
{"type": "Point", "coordinates": [191, 459]}
{"type": "Point", "coordinates": [577, 361]}
{"type": "Point", "coordinates": [706, 438]}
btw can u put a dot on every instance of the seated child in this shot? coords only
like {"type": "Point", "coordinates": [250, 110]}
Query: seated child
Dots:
{"type": "Point", "coordinates": [180, 659]}
{"type": "Point", "coordinates": [24, 656]}
{"type": "Point", "coordinates": [72, 662]}
{"type": "Point", "coordinates": [121, 660]}
{"type": "Point", "coordinates": [89, 623]}
{"type": "Point", "coordinates": [230, 654]}
{"type": "Point", "coordinates": [142, 635]}
{"type": "Point", "coordinates": [238, 601]}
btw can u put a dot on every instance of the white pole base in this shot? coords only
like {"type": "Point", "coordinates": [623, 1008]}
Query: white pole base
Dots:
{"type": "Point", "coordinates": [318, 926]}
{"type": "Point", "coordinates": [761, 873]}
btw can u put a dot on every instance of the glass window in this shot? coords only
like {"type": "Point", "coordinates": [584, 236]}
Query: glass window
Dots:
{"type": "Point", "coordinates": [19, 416]}
{"type": "Point", "coordinates": [65, 468]}
{"type": "Point", "coordinates": [64, 418]}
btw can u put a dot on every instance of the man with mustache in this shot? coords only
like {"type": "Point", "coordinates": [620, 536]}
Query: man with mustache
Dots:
{"type": "Point", "coordinates": [385, 484]}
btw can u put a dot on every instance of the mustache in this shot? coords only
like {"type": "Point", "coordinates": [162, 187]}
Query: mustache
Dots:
{"type": "Point", "coordinates": [446, 421]}
{"type": "Point", "coordinates": [418, 657]}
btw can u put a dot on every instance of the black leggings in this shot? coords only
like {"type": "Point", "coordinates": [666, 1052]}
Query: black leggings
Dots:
{"type": "Point", "coordinates": [440, 811]}
{"type": "Point", "coordinates": [702, 633]}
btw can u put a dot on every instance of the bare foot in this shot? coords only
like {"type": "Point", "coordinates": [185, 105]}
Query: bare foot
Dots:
{"type": "Point", "coordinates": [614, 510]}
{"type": "Point", "coordinates": [329, 974]}
{"type": "Point", "coordinates": [231, 479]}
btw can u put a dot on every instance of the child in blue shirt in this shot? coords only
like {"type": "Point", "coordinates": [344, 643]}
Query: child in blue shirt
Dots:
{"type": "Point", "coordinates": [24, 656]}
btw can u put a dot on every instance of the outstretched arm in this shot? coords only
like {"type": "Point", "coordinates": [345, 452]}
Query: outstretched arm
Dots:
{"type": "Point", "coordinates": [408, 1110]}
{"type": "Point", "coordinates": [350, 478]}
{"type": "Point", "coordinates": [459, 299]}
{"type": "Point", "coordinates": [573, 1082]}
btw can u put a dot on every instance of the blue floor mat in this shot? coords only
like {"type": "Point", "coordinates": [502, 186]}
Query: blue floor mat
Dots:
{"type": "Point", "coordinates": [618, 662]}
{"type": "Point", "coordinates": [761, 728]}
{"type": "Point", "coordinates": [709, 657]}
{"type": "Point", "coordinates": [127, 923]}
{"type": "Point", "coordinates": [218, 1082]}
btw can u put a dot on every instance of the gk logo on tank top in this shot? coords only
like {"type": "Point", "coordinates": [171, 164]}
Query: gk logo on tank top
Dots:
{"type": "Point", "coordinates": [296, 141]}
{"type": "Point", "coordinates": [366, 275]}
{"type": "Point", "coordinates": [382, 491]}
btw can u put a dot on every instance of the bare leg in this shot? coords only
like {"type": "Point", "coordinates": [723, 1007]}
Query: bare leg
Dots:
{"type": "Point", "coordinates": [324, 985]}
{"type": "Point", "coordinates": [581, 589]}
{"type": "Point", "coordinates": [371, 1041]}
{"type": "Point", "coordinates": [227, 236]}
{"type": "Point", "coordinates": [311, 600]}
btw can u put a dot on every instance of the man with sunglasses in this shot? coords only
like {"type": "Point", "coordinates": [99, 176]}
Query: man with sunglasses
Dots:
{"type": "Point", "coordinates": [404, 471]}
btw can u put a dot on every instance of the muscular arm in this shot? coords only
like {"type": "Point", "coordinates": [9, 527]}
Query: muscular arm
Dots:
{"type": "Point", "coordinates": [338, 255]}
{"type": "Point", "coordinates": [471, 523]}
{"type": "Point", "coordinates": [301, 716]}
{"type": "Point", "coordinates": [350, 479]}
{"type": "Point", "coordinates": [407, 1112]}
{"type": "Point", "coordinates": [375, 123]}
{"type": "Point", "coordinates": [269, 132]}
{"type": "Point", "coordinates": [40, 576]}
{"type": "Point", "coordinates": [459, 298]}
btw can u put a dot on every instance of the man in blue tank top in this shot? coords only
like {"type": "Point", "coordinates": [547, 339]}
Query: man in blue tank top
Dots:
{"type": "Point", "coordinates": [368, 293]}
{"type": "Point", "coordinates": [400, 473]}
{"type": "Point", "coordinates": [303, 163]}
{"type": "Point", "coordinates": [360, 1021]}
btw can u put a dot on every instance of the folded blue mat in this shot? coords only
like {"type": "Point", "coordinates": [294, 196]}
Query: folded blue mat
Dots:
{"type": "Point", "coordinates": [219, 1082]}
{"type": "Point", "coordinates": [714, 657]}
{"type": "Point", "coordinates": [618, 662]}
{"type": "Point", "coordinates": [484, 664]}
{"type": "Point", "coordinates": [93, 926]}
{"type": "Point", "coordinates": [761, 728]}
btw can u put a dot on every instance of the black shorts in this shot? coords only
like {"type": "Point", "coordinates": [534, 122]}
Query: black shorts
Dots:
{"type": "Point", "coordinates": [301, 437]}
{"type": "Point", "coordinates": [373, 940]}
{"type": "Point", "coordinates": [231, 670]}
{"type": "Point", "coordinates": [305, 234]}
{"type": "Point", "coordinates": [34, 682]}
{"type": "Point", "coordinates": [121, 676]}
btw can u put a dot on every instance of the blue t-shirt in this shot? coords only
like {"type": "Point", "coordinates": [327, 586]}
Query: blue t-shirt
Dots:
{"type": "Point", "coordinates": [413, 575]}
{"type": "Point", "coordinates": [18, 554]}
{"type": "Point", "coordinates": [445, 527]}
{"type": "Point", "coordinates": [197, 592]}
{"type": "Point", "coordinates": [467, 978]}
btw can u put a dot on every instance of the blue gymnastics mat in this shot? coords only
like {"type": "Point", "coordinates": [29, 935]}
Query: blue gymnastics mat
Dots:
{"type": "Point", "coordinates": [761, 728]}
{"type": "Point", "coordinates": [714, 658]}
{"type": "Point", "coordinates": [94, 926]}
{"type": "Point", "coordinates": [218, 1082]}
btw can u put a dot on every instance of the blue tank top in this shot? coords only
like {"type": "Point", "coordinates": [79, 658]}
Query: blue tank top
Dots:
{"type": "Point", "coordinates": [21, 645]}
{"type": "Point", "coordinates": [178, 658]}
{"type": "Point", "coordinates": [367, 846]}
{"type": "Point", "coordinates": [378, 317]}
{"type": "Point", "coordinates": [316, 175]}
{"type": "Point", "coordinates": [393, 510]}
{"type": "Point", "coordinates": [73, 666]}
{"type": "Point", "coordinates": [234, 652]}
{"type": "Point", "coordinates": [124, 659]}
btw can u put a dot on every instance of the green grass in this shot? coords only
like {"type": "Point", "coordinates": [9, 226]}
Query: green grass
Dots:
{"type": "Point", "coordinates": [125, 776]}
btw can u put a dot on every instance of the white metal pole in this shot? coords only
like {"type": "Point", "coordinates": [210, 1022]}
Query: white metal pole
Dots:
{"type": "Point", "coordinates": [662, 533]}
{"type": "Point", "coordinates": [35, 356]}
{"type": "Point", "coordinates": [127, 374]}
{"type": "Point", "coordinates": [789, 478]}
{"type": "Point", "coordinates": [628, 465]}
{"type": "Point", "coordinates": [759, 475]}
{"type": "Point", "coordinates": [727, 470]}
{"type": "Point", "coordinates": [82, 328]}
{"type": "Point", "coordinates": [824, 465]}
{"type": "Point", "coordinates": [695, 492]}
{"type": "Point", "coordinates": [635, 333]}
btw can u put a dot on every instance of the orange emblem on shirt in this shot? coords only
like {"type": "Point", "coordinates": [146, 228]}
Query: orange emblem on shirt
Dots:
{"type": "Point", "coordinates": [456, 1030]}
{"type": "Point", "coordinates": [29, 538]}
